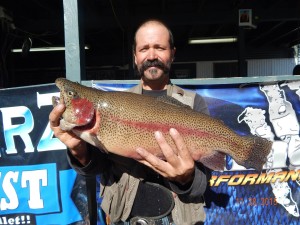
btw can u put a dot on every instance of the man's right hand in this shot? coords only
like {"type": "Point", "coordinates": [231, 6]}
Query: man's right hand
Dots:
{"type": "Point", "coordinates": [76, 146]}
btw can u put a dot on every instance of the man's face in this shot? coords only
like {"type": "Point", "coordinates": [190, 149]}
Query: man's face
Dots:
{"type": "Point", "coordinates": [153, 55]}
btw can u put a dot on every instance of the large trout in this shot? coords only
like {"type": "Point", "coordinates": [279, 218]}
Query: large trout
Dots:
{"type": "Point", "coordinates": [119, 122]}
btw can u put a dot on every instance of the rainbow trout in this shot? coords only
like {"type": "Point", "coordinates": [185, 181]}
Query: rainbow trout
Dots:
{"type": "Point", "coordinates": [119, 122]}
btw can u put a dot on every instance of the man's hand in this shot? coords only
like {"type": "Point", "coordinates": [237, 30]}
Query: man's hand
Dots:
{"type": "Point", "coordinates": [76, 146]}
{"type": "Point", "coordinates": [178, 167]}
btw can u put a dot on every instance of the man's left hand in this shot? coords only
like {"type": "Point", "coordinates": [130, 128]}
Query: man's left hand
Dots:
{"type": "Point", "coordinates": [178, 167]}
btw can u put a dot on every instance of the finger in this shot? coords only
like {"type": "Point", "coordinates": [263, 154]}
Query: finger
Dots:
{"type": "Point", "coordinates": [55, 115]}
{"type": "Point", "coordinates": [167, 150]}
{"type": "Point", "coordinates": [150, 160]}
{"type": "Point", "coordinates": [183, 151]}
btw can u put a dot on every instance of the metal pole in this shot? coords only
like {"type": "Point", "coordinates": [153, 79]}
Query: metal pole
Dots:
{"type": "Point", "coordinates": [74, 44]}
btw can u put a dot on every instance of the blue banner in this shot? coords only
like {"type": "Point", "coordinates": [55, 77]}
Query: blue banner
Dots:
{"type": "Point", "coordinates": [39, 187]}
{"type": "Point", "coordinates": [37, 184]}
{"type": "Point", "coordinates": [245, 196]}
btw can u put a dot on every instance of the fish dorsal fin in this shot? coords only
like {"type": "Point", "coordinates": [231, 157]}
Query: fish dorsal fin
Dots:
{"type": "Point", "coordinates": [172, 101]}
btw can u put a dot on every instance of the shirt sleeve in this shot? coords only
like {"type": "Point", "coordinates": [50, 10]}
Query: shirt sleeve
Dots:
{"type": "Point", "coordinates": [194, 189]}
{"type": "Point", "coordinates": [99, 161]}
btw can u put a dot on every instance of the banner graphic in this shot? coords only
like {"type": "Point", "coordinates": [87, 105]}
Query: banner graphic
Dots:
{"type": "Point", "coordinates": [238, 195]}
{"type": "Point", "coordinates": [38, 187]}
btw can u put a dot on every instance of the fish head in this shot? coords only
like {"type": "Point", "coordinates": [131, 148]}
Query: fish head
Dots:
{"type": "Point", "coordinates": [79, 110]}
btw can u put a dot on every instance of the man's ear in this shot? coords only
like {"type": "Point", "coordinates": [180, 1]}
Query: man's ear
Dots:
{"type": "Point", "coordinates": [134, 60]}
{"type": "Point", "coordinates": [173, 53]}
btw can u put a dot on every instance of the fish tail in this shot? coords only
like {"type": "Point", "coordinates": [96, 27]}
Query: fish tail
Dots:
{"type": "Point", "coordinates": [256, 152]}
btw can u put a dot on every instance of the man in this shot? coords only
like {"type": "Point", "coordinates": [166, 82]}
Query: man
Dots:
{"type": "Point", "coordinates": [151, 191]}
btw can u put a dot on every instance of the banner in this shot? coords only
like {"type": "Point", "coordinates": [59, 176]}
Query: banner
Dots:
{"type": "Point", "coordinates": [37, 185]}
{"type": "Point", "coordinates": [245, 196]}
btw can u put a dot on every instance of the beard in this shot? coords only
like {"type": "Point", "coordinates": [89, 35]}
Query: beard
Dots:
{"type": "Point", "coordinates": [155, 63]}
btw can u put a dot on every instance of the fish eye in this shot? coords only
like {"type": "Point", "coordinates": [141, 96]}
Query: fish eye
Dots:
{"type": "Point", "coordinates": [70, 93]}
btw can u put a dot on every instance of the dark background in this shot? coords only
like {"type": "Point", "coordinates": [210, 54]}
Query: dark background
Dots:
{"type": "Point", "coordinates": [109, 25]}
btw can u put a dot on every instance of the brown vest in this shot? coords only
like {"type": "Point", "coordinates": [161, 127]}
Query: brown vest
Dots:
{"type": "Point", "coordinates": [118, 194]}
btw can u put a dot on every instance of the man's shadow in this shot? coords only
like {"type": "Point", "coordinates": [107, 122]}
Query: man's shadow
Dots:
{"type": "Point", "coordinates": [219, 199]}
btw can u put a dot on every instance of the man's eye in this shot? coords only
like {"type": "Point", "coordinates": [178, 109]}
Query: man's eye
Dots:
{"type": "Point", "coordinates": [160, 48]}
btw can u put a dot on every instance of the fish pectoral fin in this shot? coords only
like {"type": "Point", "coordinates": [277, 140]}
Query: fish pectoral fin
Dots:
{"type": "Point", "coordinates": [214, 161]}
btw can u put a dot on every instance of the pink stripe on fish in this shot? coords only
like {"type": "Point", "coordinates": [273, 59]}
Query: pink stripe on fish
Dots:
{"type": "Point", "coordinates": [185, 131]}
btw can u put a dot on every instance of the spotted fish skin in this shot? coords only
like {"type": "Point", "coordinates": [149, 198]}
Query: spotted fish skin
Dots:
{"type": "Point", "coordinates": [119, 122]}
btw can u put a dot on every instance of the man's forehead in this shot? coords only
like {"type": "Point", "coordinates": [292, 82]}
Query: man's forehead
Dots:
{"type": "Point", "coordinates": [156, 33]}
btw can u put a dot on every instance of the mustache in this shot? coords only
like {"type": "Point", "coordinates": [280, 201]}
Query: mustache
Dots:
{"type": "Point", "coordinates": [154, 63]}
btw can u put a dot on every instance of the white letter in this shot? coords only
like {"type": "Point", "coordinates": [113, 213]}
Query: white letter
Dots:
{"type": "Point", "coordinates": [32, 179]}
{"type": "Point", "coordinates": [47, 142]}
{"type": "Point", "coordinates": [23, 130]}
{"type": "Point", "coordinates": [10, 191]}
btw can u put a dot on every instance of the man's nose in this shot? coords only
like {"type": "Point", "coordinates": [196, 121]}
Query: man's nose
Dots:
{"type": "Point", "coordinates": [151, 55]}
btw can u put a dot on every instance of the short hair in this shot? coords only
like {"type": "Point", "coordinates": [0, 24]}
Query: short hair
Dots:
{"type": "Point", "coordinates": [171, 38]}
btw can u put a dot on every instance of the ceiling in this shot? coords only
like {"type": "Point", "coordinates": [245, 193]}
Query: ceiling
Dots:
{"type": "Point", "coordinates": [109, 27]}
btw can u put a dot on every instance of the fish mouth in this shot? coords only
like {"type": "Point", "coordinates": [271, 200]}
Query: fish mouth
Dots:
{"type": "Point", "coordinates": [66, 126]}
{"type": "Point", "coordinates": [55, 101]}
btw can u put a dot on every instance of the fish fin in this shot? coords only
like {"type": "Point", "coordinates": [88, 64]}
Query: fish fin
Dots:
{"type": "Point", "coordinates": [172, 101]}
{"type": "Point", "coordinates": [255, 156]}
{"type": "Point", "coordinates": [214, 161]}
